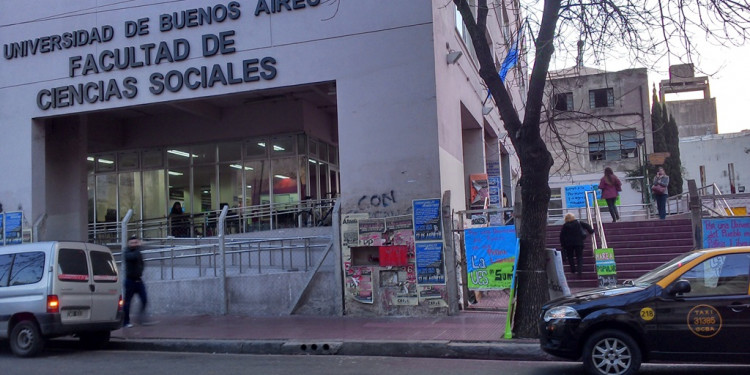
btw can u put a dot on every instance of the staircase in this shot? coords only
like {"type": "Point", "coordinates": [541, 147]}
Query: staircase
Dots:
{"type": "Point", "coordinates": [639, 247]}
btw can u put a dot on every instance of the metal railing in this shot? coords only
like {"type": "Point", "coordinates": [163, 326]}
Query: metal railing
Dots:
{"type": "Point", "coordinates": [306, 213]}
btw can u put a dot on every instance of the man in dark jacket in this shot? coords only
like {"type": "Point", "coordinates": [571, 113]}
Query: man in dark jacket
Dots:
{"type": "Point", "coordinates": [572, 235]}
{"type": "Point", "coordinates": [133, 283]}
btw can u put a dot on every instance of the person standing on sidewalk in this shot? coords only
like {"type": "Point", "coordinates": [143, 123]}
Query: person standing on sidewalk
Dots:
{"type": "Point", "coordinates": [660, 192]}
{"type": "Point", "coordinates": [133, 281]}
{"type": "Point", "coordinates": [572, 234]}
{"type": "Point", "coordinates": [611, 187]}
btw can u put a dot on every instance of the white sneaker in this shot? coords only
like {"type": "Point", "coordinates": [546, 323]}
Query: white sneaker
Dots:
{"type": "Point", "coordinates": [129, 325]}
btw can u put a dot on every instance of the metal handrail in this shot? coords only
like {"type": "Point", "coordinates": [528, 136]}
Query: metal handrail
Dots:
{"type": "Point", "coordinates": [597, 216]}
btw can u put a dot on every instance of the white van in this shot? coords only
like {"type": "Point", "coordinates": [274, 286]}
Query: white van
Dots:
{"type": "Point", "coordinates": [52, 289]}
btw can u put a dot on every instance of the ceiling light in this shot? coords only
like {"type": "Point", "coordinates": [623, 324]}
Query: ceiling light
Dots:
{"type": "Point", "coordinates": [278, 148]}
{"type": "Point", "coordinates": [237, 166]}
{"type": "Point", "coordinates": [181, 153]}
{"type": "Point", "coordinates": [173, 173]}
{"type": "Point", "coordinates": [105, 161]}
{"type": "Point", "coordinates": [280, 176]}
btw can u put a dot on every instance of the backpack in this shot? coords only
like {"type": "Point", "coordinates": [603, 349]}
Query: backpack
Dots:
{"type": "Point", "coordinates": [584, 232]}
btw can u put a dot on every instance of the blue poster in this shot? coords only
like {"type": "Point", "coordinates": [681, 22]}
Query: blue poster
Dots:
{"type": "Point", "coordinates": [427, 224]}
{"type": "Point", "coordinates": [2, 229]}
{"type": "Point", "coordinates": [491, 256]}
{"type": "Point", "coordinates": [575, 195]}
{"type": "Point", "coordinates": [732, 231]}
{"type": "Point", "coordinates": [13, 228]}
{"type": "Point", "coordinates": [430, 264]}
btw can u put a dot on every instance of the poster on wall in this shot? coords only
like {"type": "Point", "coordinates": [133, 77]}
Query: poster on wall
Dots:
{"type": "Point", "coordinates": [359, 282]}
{"type": "Point", "coordinates": [723, 232]}
{"type": "Point", "coordinates": [491, 255]}
{"type": "Point", "coordinates": [371, 232]}
{"type": "Point", "coordinates": [427, 224]}
{"type": "Point", "coordinates": [350, 229]}
{"type": "Point", "coordinates": [430, 263]}
{"type": "Point", "coordinates": [479, 194]}
{"type": "Point", "coordinates": [399, 230]}
{"type": "Point", "coordinates": [2, 229]}
{"type": "Point", "coordinates": [433, 295]}
{"type": "Point", "coordinates": [13, 228]}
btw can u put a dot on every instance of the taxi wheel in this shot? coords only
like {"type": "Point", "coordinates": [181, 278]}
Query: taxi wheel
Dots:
{"type": "Point", "coordinates": [611, 352]}
{"type": "Point", "coordinates": [25, 339]}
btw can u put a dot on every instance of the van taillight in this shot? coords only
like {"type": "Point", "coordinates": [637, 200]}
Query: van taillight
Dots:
{"type": "Point", "coordinates": [53, 304]}
{"type": "Point", "coordinates": [120, 304]}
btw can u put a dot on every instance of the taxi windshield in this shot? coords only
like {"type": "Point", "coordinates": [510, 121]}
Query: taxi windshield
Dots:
{"type": "Point", "coordinates": [665, 269]}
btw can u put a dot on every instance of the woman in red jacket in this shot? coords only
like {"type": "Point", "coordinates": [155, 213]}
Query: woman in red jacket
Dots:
{"type": "Point", "coordinates": [611, 187]}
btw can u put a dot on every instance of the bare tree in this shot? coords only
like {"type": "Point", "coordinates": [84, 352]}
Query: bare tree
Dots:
{"type": "Point", "coordinates": [649, 31]}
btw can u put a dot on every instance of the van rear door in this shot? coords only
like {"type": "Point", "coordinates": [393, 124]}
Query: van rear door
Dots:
{"type": "Point", "coordinates": [72, 283]}
{"type": "Point", "coordinates": [106, 284]}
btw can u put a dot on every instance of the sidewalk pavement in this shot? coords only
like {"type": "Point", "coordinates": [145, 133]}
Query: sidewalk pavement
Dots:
{"type": "Point", "coordinates": [470, 334]}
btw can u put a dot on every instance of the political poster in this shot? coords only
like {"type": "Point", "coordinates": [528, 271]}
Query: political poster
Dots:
{"type": "Point", "coordinates": [724, 232]}
{"type": "Point", "coordinates": [13, 228]}
{"type": "Point", "coordinates": [491, 255]}
{"type": "Point", "coordinates": [430, 263]}
{"type": "Point", "coordinates": [606, 269]}
{"type": "Point", "coordinates": [427, 224]}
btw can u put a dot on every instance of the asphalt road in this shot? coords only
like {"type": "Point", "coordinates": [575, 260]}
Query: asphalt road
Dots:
{"type": "Point", "coordinates": [61, 361]}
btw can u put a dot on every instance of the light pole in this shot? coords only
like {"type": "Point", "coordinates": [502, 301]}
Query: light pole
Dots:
{"type": "Point", "coordinates": [641, 142]}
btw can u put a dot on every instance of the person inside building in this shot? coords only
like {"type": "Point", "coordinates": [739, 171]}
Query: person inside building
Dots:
{"type": "Point", "coordinates": [572, 234]}
{"type": "Point", "coordinates": [611, 186]}
{"type": "Point", "coordinates": [660, 192]}
{"type": "Point", "coordinates": [179, 221]}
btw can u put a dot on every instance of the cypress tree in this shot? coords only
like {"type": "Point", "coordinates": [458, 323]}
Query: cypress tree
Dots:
{"type": "Point", "coordinates": [657, 125]}
{"type": "Point", "coordinates": [673, 164]}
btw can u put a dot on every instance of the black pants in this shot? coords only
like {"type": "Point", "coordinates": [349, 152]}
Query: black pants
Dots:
{"type": "Point", "coordinates": [613, 209]}
{"type": "Point", "coordinates": [575, 258]}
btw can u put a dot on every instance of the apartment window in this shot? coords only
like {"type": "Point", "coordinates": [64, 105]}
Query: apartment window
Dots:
{"type": "Point", "coordinates": [601, 98]}
{"type": "Point", "coordinates": [615, 145]}
{"type": "Point", "coordinates": [463, 32]}
{"type": "Point", "coordinates": [564, 101]}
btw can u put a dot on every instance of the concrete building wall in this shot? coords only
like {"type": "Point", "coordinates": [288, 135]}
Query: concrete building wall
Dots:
{"type": "Point", "coordinates": [694, 117]}
{"type": "Point", "coordinates": [715, 153]}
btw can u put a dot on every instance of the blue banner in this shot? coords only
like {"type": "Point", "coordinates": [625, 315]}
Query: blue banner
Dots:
{"type": "Point", "coordinates": [575, 195]}
{"type": "Point", "coordinates": [491, 256]}
{"type": "Point", "coordinates": [427, 224]}
{"type": "Point", "coordinates": [13, 227]}
{"type": "Point", "coordinates": [430, 264]}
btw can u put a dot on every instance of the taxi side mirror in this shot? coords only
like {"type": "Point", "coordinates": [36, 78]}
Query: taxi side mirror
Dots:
{"type": "Point", "coordinates": [680, 287]}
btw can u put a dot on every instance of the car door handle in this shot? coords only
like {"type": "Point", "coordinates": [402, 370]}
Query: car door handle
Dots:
{"type": "Point", "coordinates": [738, 307]}
{"type": "Point", "coordinates": [92, 287]}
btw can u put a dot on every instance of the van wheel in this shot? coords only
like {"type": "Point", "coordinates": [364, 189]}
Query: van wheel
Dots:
{"type": "Point", "coordinates": [611, 352]}
{"type": "Point", "coordinates": [94, 340]}
{"type": "Point", "coordinates": [25, 339]}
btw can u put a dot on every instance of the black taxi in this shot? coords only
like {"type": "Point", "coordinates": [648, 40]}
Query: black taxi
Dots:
{"type": "Point", "coordinates": [695, 308]}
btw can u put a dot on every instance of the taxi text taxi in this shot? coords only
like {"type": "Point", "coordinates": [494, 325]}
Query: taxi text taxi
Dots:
{"type": "Point", "coordinates": [695, 308]}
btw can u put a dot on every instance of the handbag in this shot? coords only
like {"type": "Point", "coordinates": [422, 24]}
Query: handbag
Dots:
{"type": "Point", "coordinates": [584, 232]}
{"type": "Point", "coordinates": [658, 189]}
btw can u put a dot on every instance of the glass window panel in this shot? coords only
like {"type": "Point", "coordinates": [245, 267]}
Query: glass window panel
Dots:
{"type": "Point", "coordinates": [613, 155]}
{"type": "Point", "coordinates": [128, 161]}
{"type": "Point", "coordinates": [103, 267]}
{"type": "Point", "coordinates": [313, 147]}
{"type": "Point", "coordinates": [105, 163]}
{"type": "Point", "coordinates": [130, 194]}
{"type": "Point", "coordinates": [5, 262]}
{"type": "Point", "coordinates": [230, 151]}
{"type": "Point", "coordinates": [154, 199]}
{"type": "Point", "coordinates": [204, 154]}
{"type": "Point", "coordinates": [90, 188]}
{"type": "Point", "coordinates": [257, 189]}
{"type": "Point", "coordinates": [282, 146]}
{"type": "Point", "coordinates": [313, 166]}
{"type": "Point", "coordinates": [256, 148]}
{"type": "Point", "coordinates": [334, 183]}
{"type": "Point", "coordinates": [106, 198]}
{"type": "Point", "coordinates": [333, 155]}
{"type": "Point", "coordinates": [301, 144]}
{"type": "Point", "coordinates": [178, 157]}
{"type": "Point", "coordinates": [152, 159]}
{"type": "Point", "coordinates": [90, 164]}
{"type": "Point", "coordinates": [28, 268]}
{"type": "Point", "coordinates": [323, 151]}
{"type": "Point", "coordinates": [324, 189]}
{"type": "Point", "coordinates": [72, 265]}
{"type": "Point", "coordinates": [179, 188]}
{"type": "Point", "coordinates": [230, 184]}
{"type": "Point", "coordinates": [204, 187]}
{"type": "Point", "coordinates": [284, 186]}
{"type": "Point", "coordinates": [720, 275]}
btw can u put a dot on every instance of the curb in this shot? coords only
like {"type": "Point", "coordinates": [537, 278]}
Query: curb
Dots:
{"type": "Point", "coordinates": [520, 351]}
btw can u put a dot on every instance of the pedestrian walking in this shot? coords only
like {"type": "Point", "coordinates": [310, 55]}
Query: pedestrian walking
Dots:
{"type": "Point", "coordinates": [572, 234]}
{"type": "Point", "coordinates": [611, 186]}
{"type": "Point", "coordinates": [660, 192]}
{"type": "Point", "coordinates": [134, 282]}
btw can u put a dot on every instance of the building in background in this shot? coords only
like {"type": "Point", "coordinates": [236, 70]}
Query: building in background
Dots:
{"type": "Point", "coordinates": [597, 119]}
{"type": "Point", "coordinates": [721, 159]}
{"type": "Point", "coordinates": [689, 100]}
{"type": "Point", "coordinates": [111, 107]}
